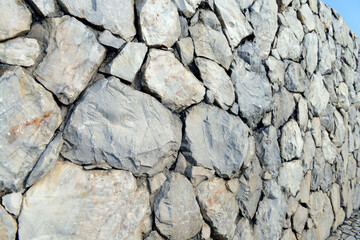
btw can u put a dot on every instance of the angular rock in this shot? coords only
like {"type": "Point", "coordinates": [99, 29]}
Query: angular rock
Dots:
{"type": "Point", "coordinates": [117, 17]}
{"type": "Point", "coordinates": [288, 46]}
{"type": "Point", "coordinates": [263, 17]}
{"type": "Point", "coordinates": [177, 87]}
{"type": "Point", "coordinates": [317, 95]}
{"type": "Point", "coordinates": [185, 48]}
{"type": "Point", "coordinates": [343, 96]}
{"type": "Point", "coordinates": [106, 124]}
{"type": "Point", "coordinates": [276, 70]}
{"type": "Point", "coordinates": [219, 207]}
{"type": "Point", "coordinates": [8, 225]}
{"type": "Point", "coordinates": [212, 44]}
{"type": "Point", "coordinates": [291, 141]}
{"type": "Point", "coordinates": [295, 78]}
{"type": "Point", "coordinates": [300, 219]}
{"type": "Point", "coordinates": [302, 112]}
{"type": "Point", "coordinates": [309, 151]}
{"type": "Point", "coordinates": [328, 148]}
{"type": "Point", "coordinates": [244, 230]}
{"type": "Point", "coordinates": [290, 176]}
{"type": "Point", "coordinates": [46, 161]}
{"type": "Point", "coordinates": [159, 22]}
{"type": "Point", "coordinates": [154, 235]}
{"type": "Point", "coordinates": [234, 23]}
{"type": "Point", "coordinates": [339, 134]}
{"type": "Point", "coordinates": [326, 220]}
{"type": "Point", "coordinates": [306, 17]}
{"type": "Point", "coordinates": [106, 38]}
{"type": "Point", "coordinates": [169, 209]}
{"type": "Point", "coordinates": [68, 67]}
{"type": "Point", "coordinates": [187, 7]}
{"type": "Point", "coordinates": [327, 58]}
{"type": "Point", "coordinates": [304, 191]}
{"type": "Point", "coordinates": [289, 18]}
{"type": "Point", "coordinates": [316, 131]}
{"type": "Point", "coordinates": [288, 235]}
{"type": "Point", "coordinates": [335, 198]}
{"type": "Point", "coordinates": [73, 203]}
{"type": "Point", "coordinates": [217, 81]}
{"type": "Point", "coordinates": [199, 174]}
{"type": "Point", "coordinates": [284, 106]}
{"type": "Point", "coordinates": [128, 62]}
{"type": "Point", "coordinates": [19, 51]}
{"type": "Point", "coordinates": [156, 182]}
{"type": "Point", "coordinates": [311, 51]}
{"type": "Point", "coordinates": [12, 202]}
{"type": "Point", "coordinates": [45, 7]}
{"type": "Point", "coordinates": [29, 117]}
{"type": "Point", "coordinates": [223, 143]}
{"type": "Point", "coordinates": [15, 18]}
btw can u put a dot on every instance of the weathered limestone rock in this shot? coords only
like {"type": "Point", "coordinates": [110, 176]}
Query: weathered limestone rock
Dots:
{"type": "Point", "coordinates": [290, 176]}
{"type": "Point", "coordinates": [263, 17]}
{"type": "Point", "coordinates": [327, 58]}
{"type": "Point", "coordinates": [217, 81]}
{"type": "Point", "coordinates": [309, 151]}
{"type": "Point", "coordinates": [335, 198]}
{"type": "Point", "coordinates": [118, 17]}
{"type": "Point", "coordinates": [45, 7]}
{"type": "Point", "coordinates": [311, 51]}
{"type": "Point", "coordinates": [306, 17]}
{"type": "Point", "coordinates": [284, 106]}
{"type": "Point", "coordinates": [106, 38]}
{"type": "Point", "coordinates": [199, 174]}
{"type": "Point", "coordinates": [326, 220]}
{"type": "Point", "coordinates": [72, 203]}
{"type": "Point", "coordinates": [289, 18]}
{"type": "Point", "coordinates": [295, 78]}
{"type": "Point", "coordinates": [276, 70]}
{"type": "Point", "coordinates": [159, 22]}
{"type": "Point", "coordinates": [212, 44]}
{"type": "Point", "coordinates": [156, 182]}
{"type": "Point", "coordinates": [317, 95]}
{"type": "Point", "coordinates": [15, 18]}
{"type": "Point", "coordinates": [187, 7]}
{"type": "Point", "coordinates": [185, 47]}
{"type": "Point", "coordinates": [46, 161]}
{"type": "Point", "coordinates": [304, 191]}
{"type": "Point", "coordinates": [8, 225]}
{"type": "Point", "coordinates": [154, 235]}
{"type": "Point", "coordinates": [12, 203]}
{"type": "Point", "coordinates": [288, 235]}
{"type": "Point", "coordinates": [219, 207]}
{"type": "Point", "coordinates": [234, 23]}
{"type": "Point", "coordinates": [343, 96]}
{"type": "Point", "coordinates": [105, 127]}
{"type": "Point", "coordinates": [177, 87]}
{"type": "Point", "coordinates": [223, 143]}
{"type": "Point", "coordinates": [339, 134]}
{"type": "Point", "coordinates": [316, 131]}
{"type": "Point", "coordinates": [128, 62]}
{"type": "Point", "coordinates": [291, 141]}
{"type": "Point", "coordinates": [69, 66]}
{"type": "Point", "coordinates": [29, 117]}
{"type": "Point", "coordinates": [328, 148]}
{"type": "Point", "coordinates": [288, 46]}
{"type": "Point", "coordinates": [177, 214]}
{"type": "Point", "coordinates": [302, 112]}
{"type": "Point", "coordinates": [19, 51]}
{"type": "Point", "coordinates": [244, 230]}
{"type": "Point", "coordinates": [300, 219]}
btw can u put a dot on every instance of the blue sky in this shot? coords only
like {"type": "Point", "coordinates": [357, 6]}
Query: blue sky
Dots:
{"type": "Point", "coordinates": [349, 10]}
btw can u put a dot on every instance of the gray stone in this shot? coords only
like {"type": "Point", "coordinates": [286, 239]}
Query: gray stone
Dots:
{"type": "Point", "coordinates": [325, 221]}
{"type": "Point", "coordinates": [290, 176]}
{"type": "Point", "coordinates": [105, 127]}
{"type": "Point", "coordinates": [317, 95]}
{"type": "Point", "coordinates": [284, 106]}
{"type": "Point", "coordinates": [205, 231]}
{"type": "Point", "coordinates": [309, 151]}
{"type": "Point", "coordinates": [29, 118]}
{"type": "Point", "coordinates": [170, 206]}
{"type": "Point", "coordinates": [316, 131]}
{"type": "Point", "coordinates": [304, 191]}
{"type": "Point", "coordinates": [283, 4]}
{"type": "Point", "coordinates": [45, 7]}
{"type": "Point", "coordinates": [295, 78]}
{"type": "Point", "coordinates": [219, 207]}
{"type": "Point", "coordinates": [46, 161]}
{"type": "Point", "coordinates": [128, 62]}
{"type": "Point", "coordinates": [300, 219]}
{"type": "Point", "coordinates": [8, 225]}
{"type": "Point", "coordinates": [212, 44]}
{"type": "Point", "coordinates": [181, 164]}
{"type": "Point", "coordinates": [339, 134]}
{"type": "Point", "coordinates": [335, 198]}
{"type": "Point", "coordinates": [106, 38]}
{"type": "Point", "coordinates": [177, 87]}
{"type": "Point", "coordinates": [291, 141]}
{"type": "Point", "coordinates": [185, 48]}
{"type": "Point", "coordinates": [199, 174]}
{"type": "Point", "coordinates": [306, 17]}
{"type": "Point", "coordinates": [235, 24]}
{"type": "Point", "coordinates": [292, 206]}
{"type": "Point", "coordinates": [316, 206]}
{"type": "Point", "coordinates": [308, 234]}
{"type": "Point", "coordinates": [328, 148]}
{"type": "Point", "coordinates": [221, 134]}
{"type": "Point", "coordinates": [217, 81]}
{"type": "Point", "coordinates": [276, 70]}
{"type": "Point", "coordinates": [288, 235]}
{"type": "Point", "coordinates": [310, 53]}
{"type": "Point", "coordinates": [15, 19]}
{"type": "Point", "coordinates": [159, 22]}
{"type": "Point", "coordinates": [154, 235]}
{"type": "Point", "coordinates": [244, 4]}
{"type": "Point", "coordinates": [117, 17]}
{"type": "Point", "coordinates": [313, 4]}
{"type": "Point", "coordinates": [302, 113]}
{"type": "Point", "coordinates": [156, 182]}
{"type": "Point", "coordinates": [263, 17]}
{"type": "Point", "coordinates": [72, 203]}
{"type": "Point", "coordinates": [19, 51]}
{"type": "Point", "coordinates": [187, 7]}
{"type": "Point", "coordinates": [290, 19]}
{"type": "Point", "coordinates": [12, 203]}
{"type": "Point", "coordinates": [80, 55]}
{"type": "Point", "coordinates": [209, 19]}
{"type": "Point", "coordinates": [287, 45]}
{"type": "Point", "coordinates": [343, 96]}
{"type": "Point", "coordinates": [326, 58]}
{"type": "Point", "coordinates": [327, 119]}
{"type": "Point", "coordinates": [244, 230]}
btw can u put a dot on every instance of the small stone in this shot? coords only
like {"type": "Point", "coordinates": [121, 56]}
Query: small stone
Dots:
{"type": "Point", "coordinates": [338, 136]}
{"type": "Point", "coordinates": [295, 78]}
{"type": "Point", "coordinates": [311, 51]}
{"type": "Point", "coordinates": [309, 151]}
{"type": "Point", "coordinates": [177, 87]}
{"type": "Point", "coordinates": [290, 176]}
{"type": "Point", "coordinates": [12, 203]}
{"type": "Point", "coordinates": [335, 198]}
{"type": "Point", "coordinates": [45, 7]}
{"type": "Point", "coordinates": [154, 235]}
{"type": "Point", "coordinates": [205, 231]}
{"type": "Point", "coordinates": [288, 235]}
{"type": "Point", "coordinates": [276, 70]}
{"type": "Point", "coordinates": [343, 96]}
{"type": "Point", "coordinates": [317, 95]}
{"type": "Point", "coordinates": [291, 141]}
{"type": "Point", "coordinates": [199, 174]}
{"type": "Point", "coordinates": [302, 112]}
{"type": "Point", "coordinates": [128, 62]}
{"type": "Point", "coordinates": [316, 131]}
{"type": "Point", "coordinates": [304, 191]}
{"type": "Point", "coordinates": [287, 45]}
{"type": "Point", "coordinates": [284, 106]}
{"type": "Point", "coordinates": [8, 225]}
{"type": "Point", "coordinates": [181, 164]}
{"type": "Point", "coordinates": [185, 47]}
{"type": "Point", "coordinates": [106, 38]}
{"type": "Point", "coordinates": [306, 17]}
{"type": "Point", "coordinates": [328, 148]}
{"type": "Point", "coordinates": [244, 230]}
{"type": "Point", "coordinates": [19, 51]}
{"type": "Point", "coordinates": [300, 219]}
{"type": "Point", "coordinates": [187, 7]}
{"type": "Point", "coordinates": [156, 182]}
{"type": "Point", "coordinates": [159, 22]}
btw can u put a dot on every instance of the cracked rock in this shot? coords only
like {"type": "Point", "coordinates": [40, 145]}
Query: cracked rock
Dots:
{"type": "Point", "coordinates": [291, 141]}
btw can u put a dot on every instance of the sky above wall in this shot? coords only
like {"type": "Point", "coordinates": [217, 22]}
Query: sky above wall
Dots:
{"type": "Point", "coordinates": [349, 10]}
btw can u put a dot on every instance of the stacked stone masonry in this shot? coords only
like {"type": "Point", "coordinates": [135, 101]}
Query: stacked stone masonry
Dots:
{"type": "Point", "coordinates": [177, 119]}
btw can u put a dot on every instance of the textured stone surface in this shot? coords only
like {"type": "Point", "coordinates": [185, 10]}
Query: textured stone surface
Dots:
{"type": "Point", "coordinates": [128, 62]}
{"type": "Point", "coordinates": [311, 51]}
{"type": "Point", "coordinates": [288, 46]}
{"type": "Point", "coordinates": [295, 78]}
{"type": "Point", "coordinates": [170, 207]}
{"type": "Point", "coordinates": [68, 67]}
{"type": "Point", "coordinates": [72, 203]}
{"type": "Point", "coordinates": [159, 22]}
{"type": "Point", "coordinates": [45, 7]}
{"type": "Point", "coordinates": [217, 81]}
{"type": "Point", "coordinates": [19, 51]}
{"type": "Point", "coordinates": [12, 202]}
{"type": "Point", "coordinates": [284, 106]}
{"type": "Point", "coordinates": [108, 39]}
{"type": "Point", "coordinates": [185, 46]}
{"type": "Point", "coordinates": [187, 7]}
{"type": "Point", "coordinates": [176, 87]}
{"type": "Point", "coordinates": [29, 117]}
{"type": "Point", "coordinates": [215, 139]}
{"type": "Point", "coordinates": [290, 176]}
{"type": "Point", "coordinates": [121, 113]}
{"type": "Point", "coordinates": [317, 95]}
{"type": "Point", "coordinates": [15, 19]}
{"type": "Point", "coordinates": [291, 141]}
{"type": "Point", "coordinates": [8, 225]}
{"type": "Point", "coordinates": [118, 17]}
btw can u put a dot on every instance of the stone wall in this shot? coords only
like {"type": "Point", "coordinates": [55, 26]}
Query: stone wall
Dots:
{"type": "Point", "coordinates": [183, 119]}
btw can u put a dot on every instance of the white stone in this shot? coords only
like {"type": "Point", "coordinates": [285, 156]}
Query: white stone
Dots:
{"type": "Point", "coordinates": [12, 202]}
{"type": "Point", "coordinates": [290, 176]}
{"type": "Point", "coordinates": [45, 7]}
{"type": "Point", "coordinates": [306, 17]}
{"type": "Point", "coordinates": [187, 7]}
{"type": "Point", "coordinates": [291, 141]}
{"type": "Point", "coordinates": [317, 95]}
{"type": "Point", "coordinates": [8, 225]}
{"type": "Point", "coordinates": [185, 47]}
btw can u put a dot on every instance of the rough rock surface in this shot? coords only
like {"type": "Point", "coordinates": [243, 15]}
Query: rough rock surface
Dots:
{"type": "Point", "coordinates": [29, 117]}
{"type": "Point", "coordinates": [45, 7]}
{"type": "Point", "coordinates": [108, 39]}
{"type": "Point", "coordinates": [291, 141]}
{"type": "Point", "coordinates": [72, 203]}
{"type": "Point", "coordinates": [69, 66]}
{"type": "Point", "coordinates": [121, 113]}
{"type": "Point", "coordinates": [19, 51]}
{"type": "Point", "coordinates": [8, 225]}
